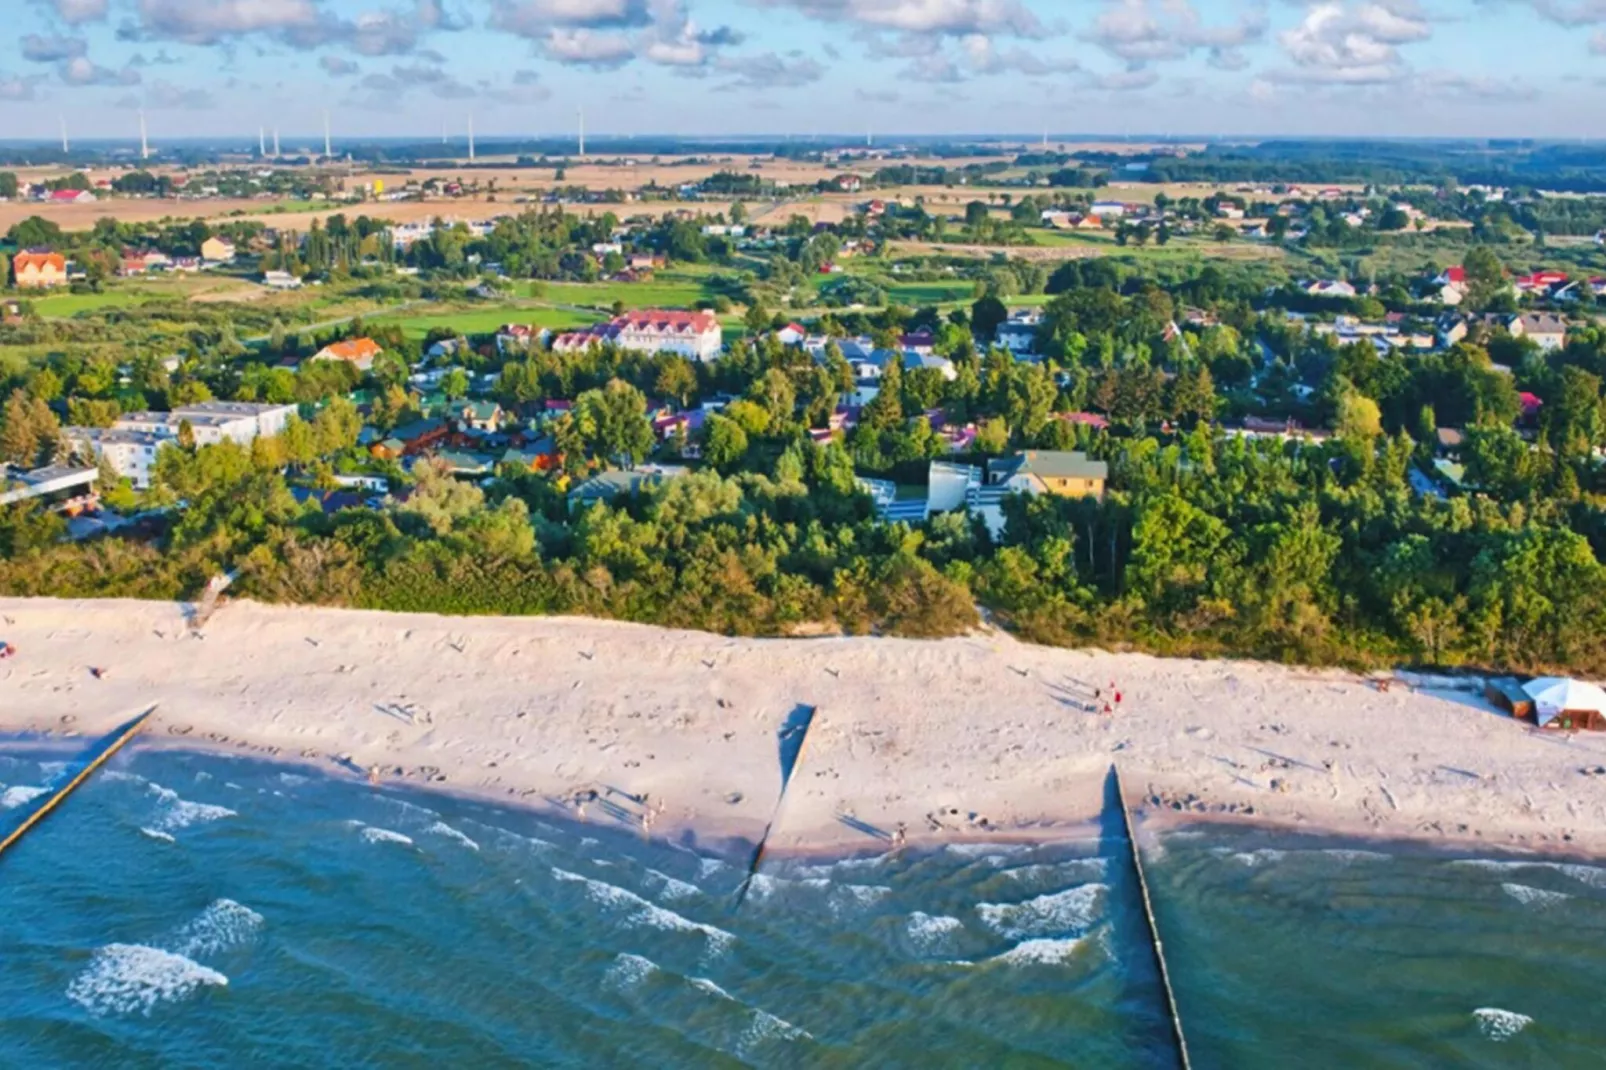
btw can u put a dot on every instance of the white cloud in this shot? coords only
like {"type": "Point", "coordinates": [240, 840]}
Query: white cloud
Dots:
{"type": "Point", "coordinates": [770, 70]}
{"type": "Point", "coordinates": [588, 48]}
{"type": "Point", "coordinates": [40, 49]}
{"type": "Point", "coordinates": [950, 17]}
{"type": "Point", "coordinates": [1351, 44]}
{"type": "Point", "coordinates": [534, 18]}
{"type": "Point", "coordinates": [216, 20]}
{"type": "Point", "coordinates": [75, 12]}
{"type": "Point", "coordinates": [81, 70]}
{"type": "Point", "coordinates": [337, 66]}
{"type": "Point", "coordinates": [1143, 31]}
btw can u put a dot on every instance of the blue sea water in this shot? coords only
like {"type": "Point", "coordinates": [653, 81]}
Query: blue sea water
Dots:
{"type": "Point", "coordinates": [188, 909]}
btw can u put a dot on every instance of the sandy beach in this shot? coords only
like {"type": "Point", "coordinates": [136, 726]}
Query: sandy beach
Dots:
{"type": "Point", "coordinates": [684, 732]}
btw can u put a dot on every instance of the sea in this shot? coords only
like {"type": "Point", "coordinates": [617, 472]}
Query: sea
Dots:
{"type": "Point", "coordinates": [200, 910]}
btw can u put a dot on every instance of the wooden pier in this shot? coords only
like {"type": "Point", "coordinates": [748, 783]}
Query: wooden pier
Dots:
{"type": "Point", "coordinates": [100, 755]}
{"type": "Point", "coordinates": [1155, 943]}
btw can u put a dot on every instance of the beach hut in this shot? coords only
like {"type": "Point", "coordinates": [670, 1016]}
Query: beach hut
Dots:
{"type": "Point", "coordinates": [1506, 693]}
{"type": "Point", "coordinates": [1560, 702]}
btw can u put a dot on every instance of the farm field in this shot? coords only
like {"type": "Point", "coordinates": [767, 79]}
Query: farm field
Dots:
{"type": "Point", "coordinates": [481, 320]}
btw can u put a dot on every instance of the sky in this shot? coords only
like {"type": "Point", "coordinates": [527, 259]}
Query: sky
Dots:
{"type": "Point", "coordinates": [1463, 68]}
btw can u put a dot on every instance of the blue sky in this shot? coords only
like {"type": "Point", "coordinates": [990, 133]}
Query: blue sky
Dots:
{"type": "Point", "coordinates": [1118, 67]}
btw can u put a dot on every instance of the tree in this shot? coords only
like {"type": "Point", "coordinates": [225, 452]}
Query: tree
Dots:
{"type": "Point", "coordinates": [677, 379]}
{"type": "Point", "coordinates": [454, 384]}
{"type": "Point", "coordinates": [1485, 275]}
{"type": "Point", "coordinates": [724, 442]}
{"type": "Point", "coordinates": [1358, 417]}
{"type": "Point", "coordinates": [985, 317]}
{"type": "Point", "coordinates": [612, 423]}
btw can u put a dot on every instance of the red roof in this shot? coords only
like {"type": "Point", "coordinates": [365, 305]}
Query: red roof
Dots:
{"type": "Point", "coordinates": [1455, 274]}
{"type": "Point", "coordinates": [1091, 419]}
{"type": "Point", "coordinates": [67, 194]}
{"type": "Point", "coordinates": [664, 322]}
{"type": "Point", "coordinates": [38, 261]}
{"type": "Point", "coordinates": [1531, 403]}
{"type": "Point", "coordinates": [354, 350]}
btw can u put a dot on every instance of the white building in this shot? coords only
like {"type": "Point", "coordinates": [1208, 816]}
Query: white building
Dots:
{"type": "Point", "coordinates": [131, 444]}
{"type": "Point", "coordinates": [691, 334]}
{"type": "Point", "coordinates": [1018, 334]}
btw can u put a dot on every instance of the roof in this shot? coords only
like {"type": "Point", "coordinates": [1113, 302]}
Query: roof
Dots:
{"type": "Point", "coordinates": [353, 349]}
{"type": "Point", "coordinates": [417, 429]}
{"type": "Point", "coordinates": [1050, 464]}
{"type": "Point", "coordinates": [1543, 323]}
{"type": "Point", "coordinates": [609, 484]}
{"type": "Point", "coordinates": [37, 259]}
{"type": "Point", "coordinates": [1557, 695]}
{"type": "Point", "coordinates": [482, 410]}
{"type": "Point", "coordinates": [666, 322]}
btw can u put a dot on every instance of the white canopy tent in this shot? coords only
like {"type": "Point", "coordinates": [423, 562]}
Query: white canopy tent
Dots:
{"type": "Point", "coordinates": [1556, 695]}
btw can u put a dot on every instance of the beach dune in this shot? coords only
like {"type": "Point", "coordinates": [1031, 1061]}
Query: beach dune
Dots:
{"type": "Point", "coordinates": [683, 733]}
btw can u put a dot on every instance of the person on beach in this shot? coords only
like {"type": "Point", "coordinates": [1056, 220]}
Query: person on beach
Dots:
{"type": "Point", "coordinates": [373, 775]}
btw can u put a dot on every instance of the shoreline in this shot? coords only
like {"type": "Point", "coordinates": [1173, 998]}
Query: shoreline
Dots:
{"type": "Point", "coordinates": [963, 740]}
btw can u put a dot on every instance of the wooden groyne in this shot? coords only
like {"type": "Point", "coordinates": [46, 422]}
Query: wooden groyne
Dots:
{"type": "Point", "coordinates": [797, 728]}
{"type": "Point", "coordinates": [1155, 943]}
{"type": "Point", "coordinates": [102, 753]}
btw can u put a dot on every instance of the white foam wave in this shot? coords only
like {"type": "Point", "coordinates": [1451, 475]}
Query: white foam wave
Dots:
{"type": "Point", "coordinates": [1500, 1025]}
{"type": "Point", "coordinates": [158, 834]}
{"type": "Point", "coordinates": [222, 925]}
{"type": "Point", "coordinates": [638, 911]}
{"type": "Point", "coordinates": [379, 835]}
{"type": "Point", "coordinates": [707, 867]}
{"type": "Point", "coordinates": [1259, 858]}
{"type": "Point", "coordinates": [441, 828]}
{"type": "Point", "coordinates": [703, 984]}
{"type": "Point", "coordinates": [1594, 876]}
{"type": "Point", "coordinates": [1534, 897]}
{"type": "Point", "coordinates": [929, 930]}
{"type": "Point", "coordinates": [130, 978]}
{"type": "Point", "coordinates": [766, 1027]}
{"type": "Point", "coordinates": [1055, 914]}
{"type": "Point", "coordinates": [629, 970]}
{"type": "Point", "coordinates": [19, 794]}
{"type": "Point", "coordinates": [1040, 952]}
{"type": "Point", "coordinates": [674, 889]}
{"type": "Point", "coordinates": [182, 813]}
{"type": "Point", "coordinates": [990, 852]}
{"type": "Point", "coordinates": [1350, 854]}
{"type": "Point", "coordinates": [292, 779]}
{"type": "Point", "coordinates": [1076, 869]}
{"type": "Point", "coordinates": [51, 770]}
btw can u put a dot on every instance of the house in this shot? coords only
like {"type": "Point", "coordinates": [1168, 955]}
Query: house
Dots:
{"type": "Point", "coordinates": [1108, 209]}
{"type": "Point", "coordinates": [1449, 439]}
{"type": "Point", "coordinates": [691, 334]}
{"type": "Point", "coordinates": [605, 486]}
{"type": "Point", "coordinates": [848, 183]}
{"type": "Point", "coordinates": [411, 439]}
{"type": "Point", "coordinates": [280, 280]}
{"type": "Point", "coordinates": [1329, 288]}
{"type": "Point", "coordinates": [38, 269]}
{"type": "Point", "coordinates": [1085, 419]}
{"type": "Point", "coordinates": [1449, 329]}
{"type": "Point", "coordinates": [358, 352]}
{"type": "Point", "coordinates": [517, 338]}
{"type": "Point", "coordinates": [541, 455]}
{"type": "Point", "coordinates": [922, 342]}
{"type": "Point", "coordinates": [72, 196]}
{"type": "Point", "coordinates": [948, 485]}
{"type": "Point", "coordinates": [215, 250]}
{"type": "Point", "coordinates": [131, 444]}
{"type": "Point", "coordinates": [1066, 473]}
{"type": "Point", "coordinates": [485, 416]}
{"type": "Point", "coordinates": [1548, 330]}
{"type": "Point", "coordinates": [60, 488]}
{"type": "Point", "coordinates": [792, 334]}
{"type": "Point", "coordinates": [1018, 333]}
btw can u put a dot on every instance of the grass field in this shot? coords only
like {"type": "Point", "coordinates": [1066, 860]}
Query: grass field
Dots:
{"type": "Point", "coordinates": [60, 306]}
{"type": "Point", "coordinates": [669, 289]}
{"type": "Point", "coordinates": [484, 320]}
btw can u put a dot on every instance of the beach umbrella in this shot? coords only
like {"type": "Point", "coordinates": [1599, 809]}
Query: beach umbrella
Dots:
{"type": "Point", "coordinates": [1555, 695]}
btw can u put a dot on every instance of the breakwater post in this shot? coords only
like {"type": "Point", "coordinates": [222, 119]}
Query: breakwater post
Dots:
{"type": "Point", "coordinates": [794, 736]}
{"type": "Point", "coordinates": [1155, 943]}
{"type": "Point", "coordinates": [99, 756]}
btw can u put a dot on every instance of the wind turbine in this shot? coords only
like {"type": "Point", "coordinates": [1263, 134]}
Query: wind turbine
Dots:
{"type": "Point", "coordinates": [582, 113]}
{"type": "Point", "coordinates": [327, 151]}
{"type": "Point", "coordinates": [470, 137]}
{"type": "Point", "coordinates": [65, 148]}
{"type": "Point", "coordinates": [144, 144]}
{"type": "Point", "coordinates": [262, 142]}
{"type": "Point", "coordinates": [276, 143]}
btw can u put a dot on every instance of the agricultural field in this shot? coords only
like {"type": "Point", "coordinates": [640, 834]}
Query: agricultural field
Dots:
{"type": "Point", "coordinates": [416, 323]}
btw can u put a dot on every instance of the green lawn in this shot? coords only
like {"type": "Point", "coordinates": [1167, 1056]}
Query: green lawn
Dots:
{"type": "Point", "coordinates": [680, 288]}
{"type": "Point", "coordinates": [60, 306]}
{"type": "Point", "coordinates": [929, 293]}
{"type": "Point", "coordinates": [484, 320]}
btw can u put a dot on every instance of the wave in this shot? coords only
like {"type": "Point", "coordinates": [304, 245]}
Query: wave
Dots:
{"type": "Point", "coordinates": [1076, 869]}
{"type": "Point", "coordinates": [19, 794]}
{"type": "Point", "coordinates": [929, 930]}
{"type": "Point", "coordinates": [1500, 1025]}
{"type": "Point", "coordinates": [1071, 911]}
{"type": "Point", "coordinates": [158, 834]}
{"type": "Point", "coordinates": [182, 813]}
{"type": "Point", "coordinates": [639, 911]}
{"type": "Point", "coordinates": [1040, 952]}
{"type": "Point", "coordinates": [130, 978]}
{"type": "Point", "coordinates": [672, 888]}
{"type": "Point", "coordinates": [763, 1025]}
{"type": "Point", "coordinates": [379, 835]}
{"type": "Point", "coordinates": [1534, 897]}
{"type": "Point", "coordinates": [441, 828]}
{"type": "Point", "coordinates": [1594, 876]}
{"type": "Point", "coordinates": [1260, 857]}
{"type": "Point", "coordinates": [223, 925]}
{"type": "Point", "coordinates": [629, 970]}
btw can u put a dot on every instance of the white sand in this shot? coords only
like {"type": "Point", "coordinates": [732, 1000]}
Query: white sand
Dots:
{"type": "Point", "coordinates": [960, 738]}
